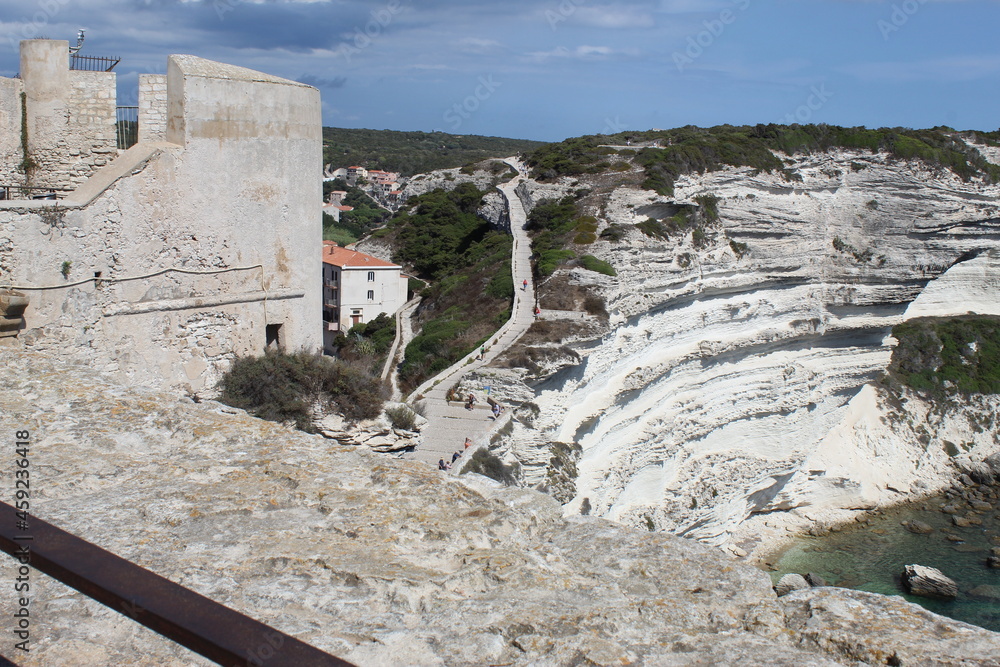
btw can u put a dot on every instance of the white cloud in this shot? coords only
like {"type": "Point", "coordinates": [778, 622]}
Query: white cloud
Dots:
{"type": "Point", "coordinates": [614, 17]}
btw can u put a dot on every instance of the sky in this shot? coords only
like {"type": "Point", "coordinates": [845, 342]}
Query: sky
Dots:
{"type": "Point", "coordinates": [552, 69]}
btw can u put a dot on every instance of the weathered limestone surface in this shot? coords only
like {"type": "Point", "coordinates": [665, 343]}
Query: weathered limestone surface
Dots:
{"type": "Point", "coordinates": [382, 561]}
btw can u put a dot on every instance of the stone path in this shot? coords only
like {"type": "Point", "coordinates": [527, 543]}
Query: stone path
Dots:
{"type": "Point", "coordinates": [450, 424]}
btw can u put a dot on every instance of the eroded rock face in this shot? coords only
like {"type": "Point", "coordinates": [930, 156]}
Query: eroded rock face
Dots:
{"type": "Point", "coordinates": [382, 561]}
{"type": "Point", "coordinates": [737, 394]}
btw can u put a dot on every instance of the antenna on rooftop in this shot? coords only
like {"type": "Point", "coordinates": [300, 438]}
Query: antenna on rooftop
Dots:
{"type": "Point", "coordinates": [73, 50]}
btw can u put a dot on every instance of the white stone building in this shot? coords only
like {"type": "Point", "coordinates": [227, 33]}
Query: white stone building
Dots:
{"type": "Point", "coordinates": [357, 288]}
{"type": "Point", "coordinates": [164, 261]}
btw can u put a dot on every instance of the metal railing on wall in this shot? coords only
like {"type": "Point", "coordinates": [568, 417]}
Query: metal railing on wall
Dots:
{"type": "Point", "coordinates": [9, 192]}
{"type": "Point", "coordinates": [127, 126]}
{"type": "Point", "coordinates": [171, 610]}
{"type": "Point", "coordinates": [92, 63]}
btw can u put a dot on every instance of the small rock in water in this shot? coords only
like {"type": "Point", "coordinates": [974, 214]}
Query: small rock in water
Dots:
{"type": "Point", "coordinates": [960, 521]}
{"type": "Point", "coordinates": [954, 538]}
{"type": "Point", "coordinates": [986, 591]}
{"type": "Point", "coordinates": [918, 527]}
{"type": "Point", "coordinates": [995, 551]}
{"type": "Point", "coordinates": [789, 583]}
{"type": "Point", "coordinates": [928, 582]}
{"type": "Point", "coordinates": [993, 562]}
{"type": "Point", "coordinates": [981, 506]}
{"type": "Point", "coordinates": [950, 509]}
{"type": "Point", "coordinates": [814, 579]}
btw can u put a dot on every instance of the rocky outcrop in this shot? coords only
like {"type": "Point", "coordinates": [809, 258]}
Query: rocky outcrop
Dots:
{"type": "Point", "coordinates": [383, 561]}
{"type": "Point", "coordinates": [737, 397]}
{"type": "Point", "coordinates": [928, 582]}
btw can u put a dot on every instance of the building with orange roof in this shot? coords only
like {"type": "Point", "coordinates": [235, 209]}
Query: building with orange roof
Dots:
{"type": "Point", "coordinates": [357, 288]}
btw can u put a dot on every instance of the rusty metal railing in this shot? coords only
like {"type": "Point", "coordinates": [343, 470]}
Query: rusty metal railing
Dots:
{"type": "Point", "coordinates": [177, 613]}
{"type": "Point", "coordinates": [10, 192]}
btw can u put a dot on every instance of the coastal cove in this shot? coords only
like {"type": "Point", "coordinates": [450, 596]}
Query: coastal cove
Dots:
{"type": "Point", "coordinates": [869, 554]}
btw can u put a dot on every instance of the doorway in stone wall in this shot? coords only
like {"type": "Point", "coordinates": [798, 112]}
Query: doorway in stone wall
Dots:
{"type": "Point", "coordinates": [274, 337]}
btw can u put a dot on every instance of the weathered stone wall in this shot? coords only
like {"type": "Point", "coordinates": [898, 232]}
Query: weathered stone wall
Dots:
{"type": "Point", "coordinates": [71, 116]}
{"type": "Point", "coordinates": [152, 107]}
{"type": "Point", "coordinates": [176, 257]}
{"type": "Point", "coordinates": [10, 131]}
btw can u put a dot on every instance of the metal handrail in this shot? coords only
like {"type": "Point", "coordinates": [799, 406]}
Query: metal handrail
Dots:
{"type": "Point", "coordinates": [47, 192]}
{"type": "Point", "coordinates": [171, 610]}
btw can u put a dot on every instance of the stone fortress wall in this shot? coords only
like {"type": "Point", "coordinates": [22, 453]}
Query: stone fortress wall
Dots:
{"type": "Point", "coordinates": [199, 243]}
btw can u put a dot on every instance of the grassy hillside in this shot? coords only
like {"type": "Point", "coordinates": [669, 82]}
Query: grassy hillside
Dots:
{"type": "Point", "coordinates": [667, 154]}
{"type": "Point", "coordinates": [439, 238]}
{"type": "Point", "coordinates": [414, 152]}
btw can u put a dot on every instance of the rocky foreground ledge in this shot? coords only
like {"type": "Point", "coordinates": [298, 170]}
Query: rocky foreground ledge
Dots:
{"type": "Point", "coordinates": [381, 561]}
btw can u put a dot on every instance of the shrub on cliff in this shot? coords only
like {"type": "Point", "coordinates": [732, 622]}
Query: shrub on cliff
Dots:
{"type": "Point", "coordinates": [288, 387]}
{"type": "Point", "coordinates": [942, 356]}
{"type": "Point", "coordinates": [485, 462]}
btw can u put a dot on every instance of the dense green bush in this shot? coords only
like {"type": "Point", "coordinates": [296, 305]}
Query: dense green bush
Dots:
{"type": "Point", "coordinates": [285, 388]}
{"type": "Point", "coordinates": [591, 263]}
{"type": "Point", "coordinates": [942, 356]}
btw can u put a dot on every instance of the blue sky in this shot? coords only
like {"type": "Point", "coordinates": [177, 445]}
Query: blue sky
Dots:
{"type": "Point", "coordinates": [552, 69]}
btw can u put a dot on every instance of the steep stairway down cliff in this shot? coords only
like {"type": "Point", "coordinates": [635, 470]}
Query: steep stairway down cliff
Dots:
{"type": "Point", "coordinates": [449, 425]}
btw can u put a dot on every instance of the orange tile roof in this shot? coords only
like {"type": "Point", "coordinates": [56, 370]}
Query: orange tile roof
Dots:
{"type": "Point", "coordinates": [352, 259]}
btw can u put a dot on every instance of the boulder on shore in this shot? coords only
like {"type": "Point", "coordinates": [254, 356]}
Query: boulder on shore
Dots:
{"type": "Point", "coordinates": [928, 582]}
{"type": "Point", "coordinates": [789, 583]}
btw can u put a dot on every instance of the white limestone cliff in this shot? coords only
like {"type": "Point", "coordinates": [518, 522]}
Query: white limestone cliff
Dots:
{"type": "Point", "coordinates": [741, 382]}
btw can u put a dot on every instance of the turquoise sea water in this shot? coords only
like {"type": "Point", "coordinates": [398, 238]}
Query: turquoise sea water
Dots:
{"type": "Point", "coordinates": [871, 556]}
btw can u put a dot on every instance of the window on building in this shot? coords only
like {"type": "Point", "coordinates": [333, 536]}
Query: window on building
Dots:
{"type": "Point", "coordinates": [371, 295]}
{"type": "Point", "coordinates": [371, 276]}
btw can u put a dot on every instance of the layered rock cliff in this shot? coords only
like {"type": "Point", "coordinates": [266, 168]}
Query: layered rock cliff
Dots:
{"type": "Point", "coordinates": [737, 390]}
{"type": "Point", "coordinates": [382, 561]}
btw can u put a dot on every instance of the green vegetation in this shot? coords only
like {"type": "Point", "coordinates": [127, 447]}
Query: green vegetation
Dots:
{"type": "Point", "coordinates": [354, 225]}
{"type": "Point", "coordinates": [440, 237]}
{"type": "Point", "coordinates": [402, 417]}
{"type": "Point", "coordinates": [486, 463]}
{"type": "Point", "coordinates": [65, 269]}
{"type": "Point", "coordinates": [286, 387]}
{"type": "Point", "coordinates": [554, 225]}
{"type": "Point", "coordinates": [591, 263]}
{"type": "Point", "coordinates": [367, 344]}
{"type": "Point", "coordinates": [653, 228]}
{"type": "Point", "coordinates": [698, 150]}
{"type": "Point", "coordinates": [412, 153]}
{"type": "Point", "coordinates": [944, 356]}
